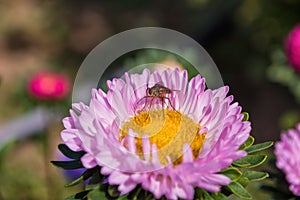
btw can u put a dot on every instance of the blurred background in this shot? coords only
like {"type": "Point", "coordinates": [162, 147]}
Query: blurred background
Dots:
{"type": "Point", "coordinates": [42, 45]}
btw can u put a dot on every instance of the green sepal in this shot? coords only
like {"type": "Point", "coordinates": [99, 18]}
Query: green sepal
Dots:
{"type": "Point", "coordinates": [79, 196]}
{"type": "Point", "coordinates": [135, 193]}
{"type": "Point", "coordinates": [218, 196]}
{"type": "Point", "coordinates": [254, 175]}
{"type": "Point", "coordinates": [72, 164]}
{"type": "Point", "coordinates": [96, 195]}
{"type": "Point", "coordinates": [87, 174]}
{"type": "Point", "coordinates": [145, 195]}
{"type": "Point", "coordinates": [198, 193]}
{"type": "Point", "coordinates": [64, 149]}
{"type": "Point", "coordinates": [125, 197]}
{"type": "Point", "coordinates": [91, 186]}
{"type": "Point", "coordinates": [232, 173]}
{"type": "Point", "coordinates": [96, 179]}
{"type": "Point", "coordinates": [250, 161]}
{"type": "Point", "coordinates": [140, 193]}
{"type": "Point", "coordinates": [246, 116]}
{"type": "Point", "coordinates": [206, 195]}
{"type": "Point", "coordinates": [113, 191]}
{"type": "Point", "coordinates": [238, 190]}
{"type": "Point", "coordinates": [201, 194]}
{"type": "Point", "coordinates": [249, 142]}
{"type": "Point", "coordinates": [259, 147]}
{"type": "Point", "coordinates": [243, 181]}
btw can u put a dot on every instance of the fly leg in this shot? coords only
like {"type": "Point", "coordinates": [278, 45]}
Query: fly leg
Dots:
{"type": "Point", "coordinates": [170, 103]}
{"type": "Point", "coordinates": [137, 111]}
{"type": "Point", "coordinates": [148, 114]}
{"type": "Point", "coordinates": [162, 105]}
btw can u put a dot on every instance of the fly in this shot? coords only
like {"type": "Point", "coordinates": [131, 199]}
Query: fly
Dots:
{"type": "Point", "coordinates": [155, 95]}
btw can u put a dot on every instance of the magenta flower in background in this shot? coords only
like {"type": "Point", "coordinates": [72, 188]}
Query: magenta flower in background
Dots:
{"type": "Point", "coordinates": [288, 160]}
{"type": "Point", "coordinates": [292, 46]}
{"type": "Point", "coordinates": [167, 151]}
{"type": "Point", "coordinates": [48, 85]}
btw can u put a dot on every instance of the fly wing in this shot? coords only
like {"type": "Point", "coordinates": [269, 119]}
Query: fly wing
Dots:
{"type": "Point", "coordinates": [161, 85]}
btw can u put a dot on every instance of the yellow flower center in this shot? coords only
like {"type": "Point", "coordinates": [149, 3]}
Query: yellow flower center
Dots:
{"type": "Point", "coordinates": [169, 130]}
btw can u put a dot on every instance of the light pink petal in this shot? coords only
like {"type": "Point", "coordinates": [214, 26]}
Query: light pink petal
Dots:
{"type": "Point", "coordinates": [188, 154]}
{"type": "Point", "coordinates": [119, 108]}
{"type": "Point", "coordinates": [209, 187]}
{"type": "Point", "coordinates": [146, 147]}
{"type": "Point", "coordinates": [71, 139]}
{"type": "Point", "coordinates": [106, 170]}
{"type": "Point", "coordinates": [78, 107]}
{"type": "Point", "coordinates": [68, 123]}
{"type": "Point", "coordinates": [131, 141]}
{"type": "Point", "coordinates": [127, 186]}
{"type": "Point", "coordinates": [117, 178]}
{"type": "Point", "coordinates": [88, 161]}
{"type": "Point", "coordinates": [105, 158]}
{"type": "Point", "coordinates": [184, 191]}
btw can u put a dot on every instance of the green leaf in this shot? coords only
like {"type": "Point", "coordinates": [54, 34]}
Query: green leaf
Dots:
{"type": "Point", "coordinates": [96, 195]}
{"type": "Point", "coordinates": [198, 193]}
{"type": "Point", "coordinates": [238, 190]}
{"type": "Point", "coordinates": [96, 179]}
{"type": "Point", "coordinates": [206, 196]}
{"type": "Point", "coordinates": [91, 186]}
{"type": "Point", "coordinates": [201, 194]}
{"type": "Point", "coordinates": [145, 195]}
{"type": "Point", "coordinates": [75, 182]}
{"type": "Point", "coordinates": [249, 142]}
{"type": "Point", "coordinates": [232, 173]}
{"type": "Point", "coordinates": [87, 174]}
{"type": "Point", "coordinates": [135, 193]}
{"type": "Point", "coordinates": [254, 175]}
{"type": "Point", "coordinates": [72, 198]}
{"type": "Point", "coordinates": [78, 196]}
{"type": "Point", "coordinates": [250, 161]}
{"type": "Point", "coordinates": [124, 197]}
{"type": "Point", "coordinates": [259, 147]}
{"type": "Point", "coordinates": [218, 196]}
{"type": "Point", "coordinates": [243, 181]}
{"type": "Point", "coordinates": [72, 164]}
{"type": "Point", "coordinates": [246, 116]}
{"type": "Point", "coordinates": [69, 153]}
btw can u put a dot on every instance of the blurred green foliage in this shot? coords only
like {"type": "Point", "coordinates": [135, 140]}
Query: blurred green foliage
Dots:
{"type": "Point", "coordinates": [282, 73]}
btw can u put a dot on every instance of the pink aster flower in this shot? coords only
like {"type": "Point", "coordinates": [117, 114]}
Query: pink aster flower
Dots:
{"type": "Point", "coordinates": [48, 85]}
{"type": "Point", "coordinates": [286, 152]}
{"type": "Point", "coordinates": [168, 150]}
{"type": "Point", "coordinates": [292, 46]}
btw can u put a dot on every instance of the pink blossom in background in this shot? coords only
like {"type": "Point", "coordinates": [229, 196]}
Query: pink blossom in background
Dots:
{"type": "Point", "coordinates": [122, 143]}
{"type": "Point", "coordinates": [292, 47]}
{"type": "Point", "coordinates": [288, 160]}
{"type": "Point", "coordinates": [48, 85]}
